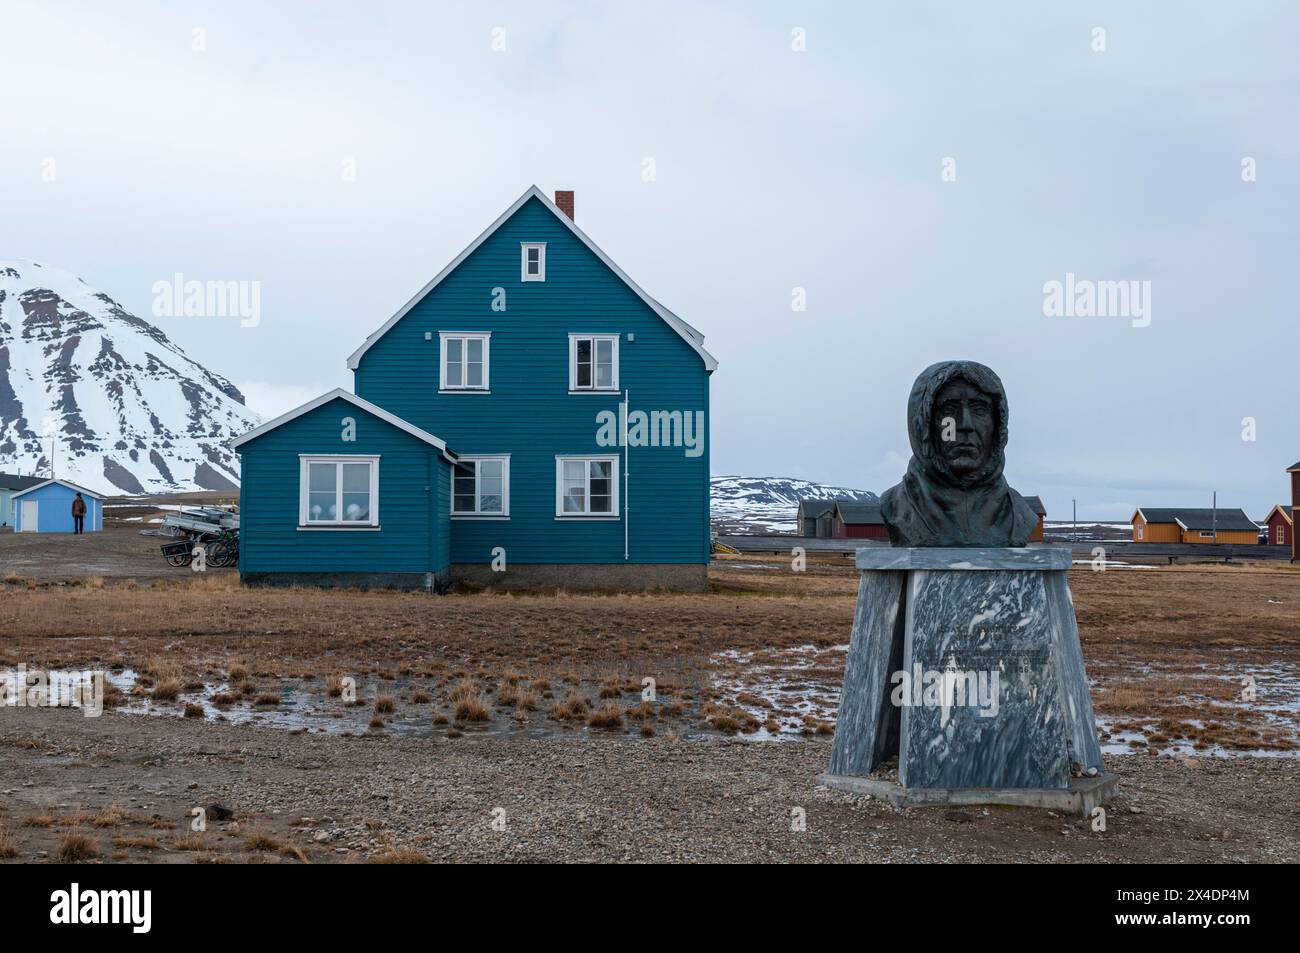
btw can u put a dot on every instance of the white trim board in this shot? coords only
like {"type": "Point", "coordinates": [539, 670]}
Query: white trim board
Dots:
{"type": "Point", "coordinates": [355, 401]}
{"type": "Point", "coordinates": [687, 333]}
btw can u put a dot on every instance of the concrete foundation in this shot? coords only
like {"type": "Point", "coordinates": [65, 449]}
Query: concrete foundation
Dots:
{"type": "Point", "coordinates": [1080, 797]}
{"type": "Point", "coordinates": [690, 577]}
{"type": "Point", "coordinates": [427, 581]}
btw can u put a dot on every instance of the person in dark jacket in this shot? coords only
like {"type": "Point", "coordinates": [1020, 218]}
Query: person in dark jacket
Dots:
{"type": "Point", "coordinates": [79, 514]}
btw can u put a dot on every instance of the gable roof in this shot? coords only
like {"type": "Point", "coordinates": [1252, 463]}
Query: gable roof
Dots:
{"type": "Point", "coordinates": [356, 401]}
{"type": "Point", "coordinates": [1199, 518]}
{"type": "Point", "coordinates": [815, 509]}
{"type": "Point", "coordinates": [1286, 512]}
{"type": "Point", "coordinates": [71, 486]}
{"type": "Point", "coordinates": [1036, 504]}
{"type": "Point", "coordinates": [1294, 466]}
{"type": "Point", "coordinates": [12, 481]}
{"type": "Point", "coordinates": [688, 334]}
{"type": "Point", "coordinates": [859, 514]}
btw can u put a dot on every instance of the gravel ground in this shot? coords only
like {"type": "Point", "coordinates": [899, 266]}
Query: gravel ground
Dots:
{"type": "Point", "coordinates": [580, 798]}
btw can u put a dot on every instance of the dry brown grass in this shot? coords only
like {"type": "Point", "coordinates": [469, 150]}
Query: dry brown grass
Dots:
{"type": "Point", "coordinates": [136, 842]}
{"type": "Point", "coordinates": [420, 697]}
{"type": "Point", "coordinates": [8, 844]}
{"type": "Point", "coordinates": [166, 690]}
{"type": "Point", "coordinates": [468, 703]}
{"type": "Point", "coordinates": [572, 708]}
{"type": "Point", "coordinates": [395, 856]}
{"type": "Point", "coordinates": [112, 816]}
{"type": "Point", "coordinates": [607, 716]}
{"type": "Point", "coordinates": [75, 847]}
{"type": "Point", "coordinates": [194, 711]}
{"type": "Point", "coordinates": [43, 819]}
{"type": "Point", "coordinates": [385, 705]}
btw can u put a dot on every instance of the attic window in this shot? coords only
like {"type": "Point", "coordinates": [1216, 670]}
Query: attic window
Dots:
{"type": "Point", "coordinates": [532, 261]}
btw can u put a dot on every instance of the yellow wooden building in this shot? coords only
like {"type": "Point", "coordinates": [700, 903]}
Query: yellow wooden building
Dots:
{"type": "Point", "coordinates": [1176, 525]}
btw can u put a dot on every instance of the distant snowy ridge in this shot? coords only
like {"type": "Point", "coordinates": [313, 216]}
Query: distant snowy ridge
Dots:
{"type": "Point", "coordinates": [771, 503]}
{"type": "Point", "coordinates": [128, 410]}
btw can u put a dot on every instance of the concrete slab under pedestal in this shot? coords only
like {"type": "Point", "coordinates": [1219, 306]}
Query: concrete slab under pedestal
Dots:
{"type": "Point", "coordinates": [1082, 795]}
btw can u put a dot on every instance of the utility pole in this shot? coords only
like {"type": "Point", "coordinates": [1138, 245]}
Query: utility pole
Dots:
{"type": "Point", "coordinates": [1214, 516]}
{"type": "Point", "coordinates": [1074, 519]}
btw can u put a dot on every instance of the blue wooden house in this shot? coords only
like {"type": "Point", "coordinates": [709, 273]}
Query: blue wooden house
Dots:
{"type": "Point", "coordinates": [531, 417]}
{"type": "Point", "coordinates": [47, 508]}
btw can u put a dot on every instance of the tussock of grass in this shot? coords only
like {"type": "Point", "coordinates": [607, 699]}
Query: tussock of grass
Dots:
{"type": "Point", "coordinates": [395, 856]}
{"type": "Point", "coordinates": [8, 844]}
{"type": "Point", "coordinates": [572, 708]}
{"type": "Point", "coordinates": [468, 703]}
{"type": "Point", "coordinates": [111, 816]}
{"type": "Point", "coordinates": [166, 690]}
{"type": "Point", "coordinates": [607, 716]}
{"type": "Point", "coordinates": [385, 705]}
{"type": "Point", "coordinates": [75, 847]}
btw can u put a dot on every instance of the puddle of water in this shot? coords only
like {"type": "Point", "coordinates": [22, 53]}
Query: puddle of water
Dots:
{"type": "Point", "coordinates": [780, 679]}
{"type": "Point", "coordinates": [1276, 706]}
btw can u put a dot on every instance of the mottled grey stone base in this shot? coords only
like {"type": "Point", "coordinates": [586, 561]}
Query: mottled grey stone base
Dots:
{"type": "Point", "coordinates": [430, 581]}
{"type": "Point", "coordinates": [1080, 797]}
{"type": "Point", "coordinates": [691, 577]}
{"type": "Point", "coordinates": [995, 625]}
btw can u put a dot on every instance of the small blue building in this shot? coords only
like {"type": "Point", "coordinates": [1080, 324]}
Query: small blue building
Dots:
{"type": "Point", "coordinates": [341, 492]}
{"type": "Point", "coordinates": [564, 409]}
{"type": "Point", "coordinates": [47, 508]}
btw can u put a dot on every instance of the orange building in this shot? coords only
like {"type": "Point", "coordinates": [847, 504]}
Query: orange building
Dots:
{"type": "Point", "coordinates": [1037, 535]}
{"type": "Point", "coordinates": [1178, 525]}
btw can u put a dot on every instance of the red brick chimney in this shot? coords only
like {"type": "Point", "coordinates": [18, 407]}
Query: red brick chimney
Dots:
{"type": "Point", "coordinates": [565, 201]}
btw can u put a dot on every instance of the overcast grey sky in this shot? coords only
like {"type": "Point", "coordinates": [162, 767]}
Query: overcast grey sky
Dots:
{"type": "Point", "coordinates": [776, 169]}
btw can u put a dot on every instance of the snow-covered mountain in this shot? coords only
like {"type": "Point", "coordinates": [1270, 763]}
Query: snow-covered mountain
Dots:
{"type": "Point", "coordinates": [128, 410]}
{"type": "Point", "coordinates": [769, 504]}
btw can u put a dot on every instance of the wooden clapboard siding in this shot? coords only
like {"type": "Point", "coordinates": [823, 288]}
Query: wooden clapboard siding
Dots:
{"type": "Point", "coordinates": [1156, 532]}
{"type": "Point", "coordinates": [1239, 537]}
{"type": "Point", "coordinates": [414, 498]}
{"type": "Point", "coordinates": [529, 412]}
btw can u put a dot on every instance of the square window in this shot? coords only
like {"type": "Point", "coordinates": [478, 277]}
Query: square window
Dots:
{"type": "Point", "coordinates": [339, 491]}
{"type": "Point", "coordinates": [586, 486]}
{"type": "Point", "coordinates": [481, 487]}
{"type": "Point", "coordinates": [593, 362]}
{"type": "Point", "coordinates": [465, 360]}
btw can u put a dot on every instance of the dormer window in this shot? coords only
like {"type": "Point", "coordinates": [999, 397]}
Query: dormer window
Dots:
{"type": "Point", "coordinates": [532, 261]}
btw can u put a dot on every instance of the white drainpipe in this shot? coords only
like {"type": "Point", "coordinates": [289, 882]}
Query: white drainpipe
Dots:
{"type": "Point", "coordinates": [627, 409]}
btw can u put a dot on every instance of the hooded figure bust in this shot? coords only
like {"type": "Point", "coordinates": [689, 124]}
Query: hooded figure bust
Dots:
{"type": "Point", "coordinates": [954, 493]}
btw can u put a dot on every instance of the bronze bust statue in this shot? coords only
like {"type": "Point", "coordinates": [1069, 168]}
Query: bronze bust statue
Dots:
{"type": "Point", "coordinates": [954, 493]}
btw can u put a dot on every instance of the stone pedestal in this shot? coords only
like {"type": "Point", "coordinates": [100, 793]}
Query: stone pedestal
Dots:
{"type": "Point", "coordinates": [965, 663]}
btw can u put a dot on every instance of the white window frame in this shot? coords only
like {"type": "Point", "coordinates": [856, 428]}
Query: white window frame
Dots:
{"type": "Point", "coordinates": [574, 338]}
{"type": "Point", "coordinates": [304, 484]}
{"type": "Point", "coordinates": [1140, 528]}
{"type": "Point", "coordinates": [1279, 535]}
{"type": "Point", "coordinates": [504, 513]}
{"type": "Point", "coordinates": [588, 458]}
{"type": "Point", "coordinates": [524, 248]}
{"type": "Point", "coordinates": [464, 337]}
{"type": "Point", "coordinates": [1206, 534]}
